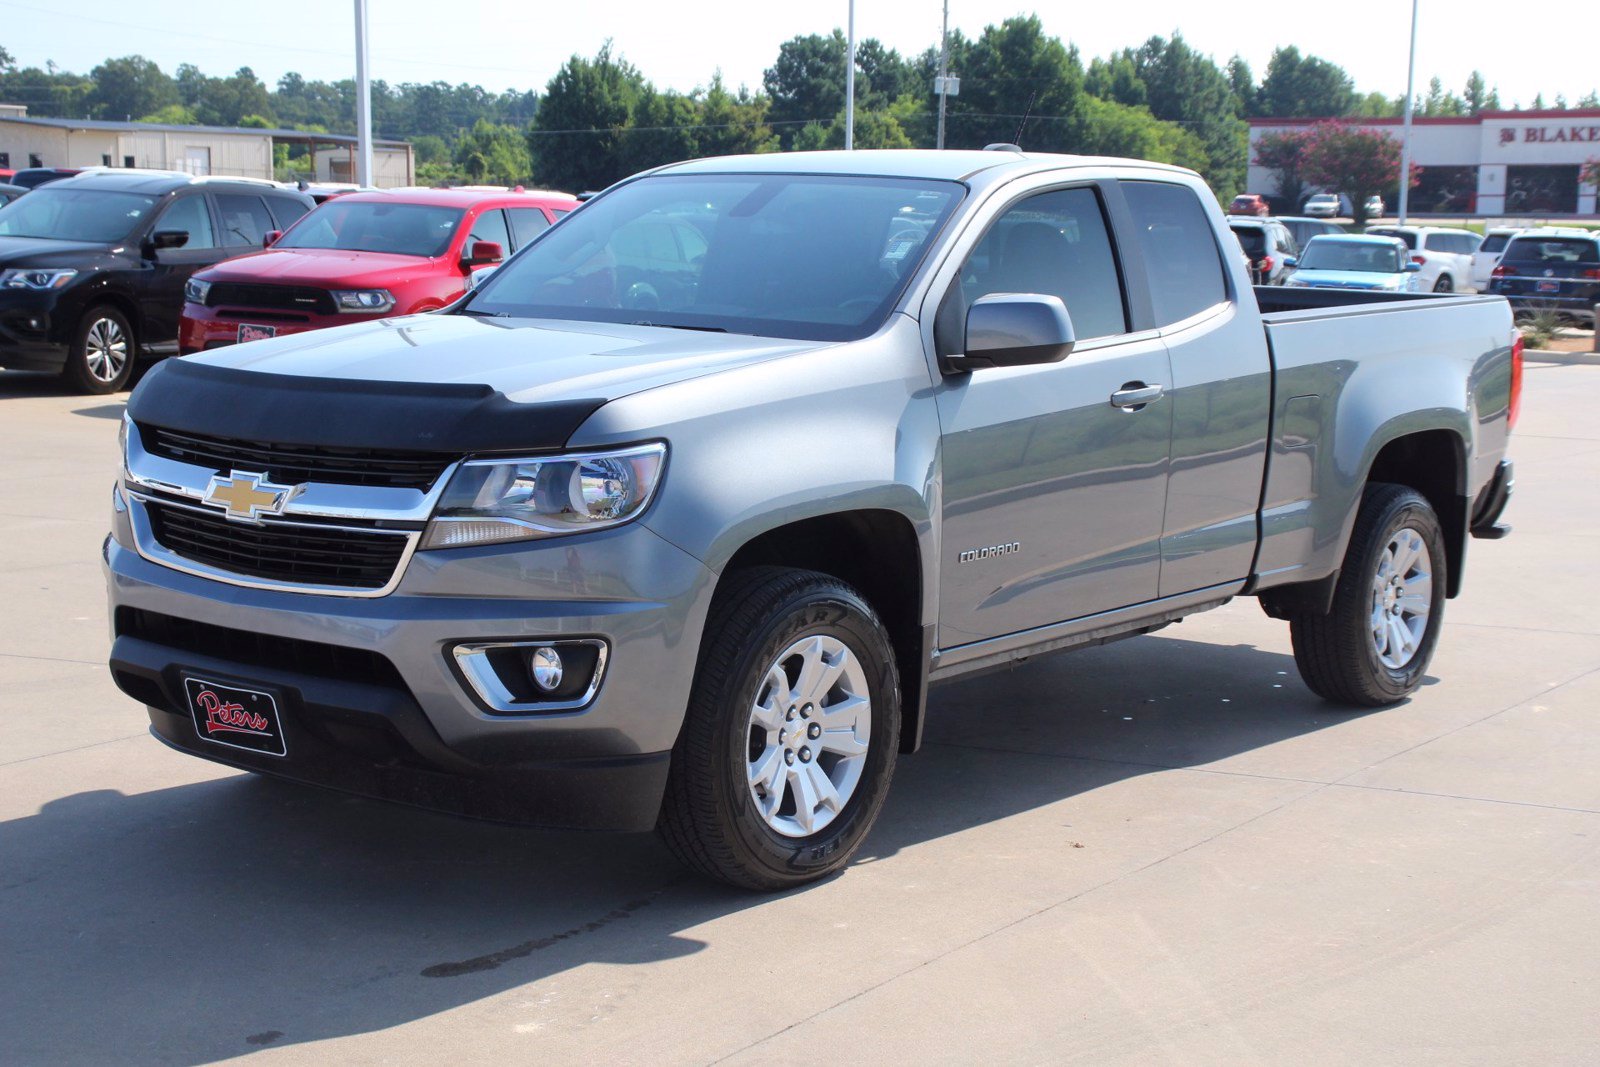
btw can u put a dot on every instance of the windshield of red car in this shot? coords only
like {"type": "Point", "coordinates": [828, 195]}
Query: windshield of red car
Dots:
{"type": "Point", "coordinates": [370, 226]}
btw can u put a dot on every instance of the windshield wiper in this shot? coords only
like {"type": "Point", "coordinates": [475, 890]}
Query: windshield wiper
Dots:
{"type": "Point", "coordinates": [484, 314]}
{"type": "Point", "coordinates": [679, 326]}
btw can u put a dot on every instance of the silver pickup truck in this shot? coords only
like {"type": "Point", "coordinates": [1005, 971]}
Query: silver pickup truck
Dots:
{"type": "Point", "coordinates": [674, 521]}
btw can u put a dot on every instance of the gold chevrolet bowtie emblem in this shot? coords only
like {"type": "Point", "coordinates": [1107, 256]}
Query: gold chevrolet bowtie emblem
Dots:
{"type": "Point", "coordinates": [247, 496]}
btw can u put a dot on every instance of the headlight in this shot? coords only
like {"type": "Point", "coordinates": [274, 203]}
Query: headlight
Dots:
{"type": "Point", "coordinates": [492, 501]}
{"type": "Point", "coordinates": [26, 278]}
{"type": "Point", "coordinates": [371, 301]}
{"type": "Point", "coordinates": [1297, 283]}
{"type": "Point", "coordinates": [195, 290]}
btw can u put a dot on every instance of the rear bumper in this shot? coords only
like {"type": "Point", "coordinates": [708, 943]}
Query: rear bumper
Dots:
{"type": "Point", "coordinates": [1579, 307]}
{"type": "Point", "coordinates": [1491, 503]}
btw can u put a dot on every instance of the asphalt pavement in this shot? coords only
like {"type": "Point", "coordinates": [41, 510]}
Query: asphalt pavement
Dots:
{"type": "Point", "coordinates": [1161, 851]}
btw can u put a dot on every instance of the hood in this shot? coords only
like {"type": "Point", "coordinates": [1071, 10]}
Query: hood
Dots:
{"type": "Point", "coordinates": [327, 267]}
{"type": "Point", "coordinates": [45, 252]}
{"type": "Point", "coordinates": [1350, 279]}
{"type": "Point", "coordinates": [526, 360]}
{"type": "Point", "coordinates": [432, 382]}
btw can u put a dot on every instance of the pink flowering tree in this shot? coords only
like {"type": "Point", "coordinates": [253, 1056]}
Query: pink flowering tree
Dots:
{"type": "Point", "coordinates": [1357, 162]}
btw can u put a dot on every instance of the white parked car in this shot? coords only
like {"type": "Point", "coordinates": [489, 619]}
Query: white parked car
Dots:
{"type": "Point", "coordinates": [1445, 255]}
{"type": "Point", "coordinates": [1487, 257]}
{"type": "Point", "coordinates": [1375, 207]}
{"type": "Point", "coordinates": [1323, 205]}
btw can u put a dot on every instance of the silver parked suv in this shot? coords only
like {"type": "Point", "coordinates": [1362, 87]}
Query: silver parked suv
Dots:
{"type": "Point", "coordinates": [680, 538]}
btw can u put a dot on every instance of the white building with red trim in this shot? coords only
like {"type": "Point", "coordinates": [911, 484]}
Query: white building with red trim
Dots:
{"type": "Point", "coordinates": [1495, 163]}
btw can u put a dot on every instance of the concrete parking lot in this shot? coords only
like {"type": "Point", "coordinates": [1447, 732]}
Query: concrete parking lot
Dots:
{"type": "Point", "coordinates": [1164, 850]}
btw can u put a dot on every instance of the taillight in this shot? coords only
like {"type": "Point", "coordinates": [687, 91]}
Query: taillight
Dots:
{"type": "Point", "coordinates": [1515, 407]}
{"type": "Point", "coordinates": [1419, 259]}
{"type": "Point", "coordinates": [1591, 272]}
{"type": "Point", "coordinates": [1266, 264]}
{"type": "Point", "coordinates": [1503, 271]}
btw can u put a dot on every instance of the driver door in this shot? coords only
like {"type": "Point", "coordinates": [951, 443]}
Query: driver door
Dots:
{"type": "Point", "coordinates": [167, 269]}
{"type": "Point", "coordinates": [1053, 484]}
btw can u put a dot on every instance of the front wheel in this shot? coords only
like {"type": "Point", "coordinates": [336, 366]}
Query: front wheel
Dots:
{"type": "Point", "coordinates": [1373, 648]}
{"type": "Point", "coordinates": [101, 356]}
{"type": "Point", "coordinates": [789, 743]}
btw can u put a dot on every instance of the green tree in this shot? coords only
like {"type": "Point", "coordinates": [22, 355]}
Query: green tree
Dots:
{"type": "Point", "coordinates": [1299, 86]}
{"type": "Point", "coordinates": [1018, 85]}
{"type": "Point", "coordinates": [1243, 84]}
{"type": "Point", "coordinates": [1477, 93]}
{"type": "Point", "coordinates": [733, 123]}
{"type": "Point", "coordinates": [132, 85]}
{"type": "Point", "coordinates": [1186, 87]}
{"type": "Point", "coordinates": [576, 138]}
{"type": "Point", "coordinates": [1107, 128]}
{"type": "Point", "coordinates": [664, 130]}
{"type": "Point", "coordinates": [490, 154]}
{"type": "Point", "coordinates": [173, 115]}
{"type": "Point", "coordinates": [1116, 79]}
{"type": "Point", "coordinates": [806, 82]}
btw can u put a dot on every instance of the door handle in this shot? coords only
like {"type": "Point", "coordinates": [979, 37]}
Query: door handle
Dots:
{"type": "Point", "coordinates": [1136, 395]}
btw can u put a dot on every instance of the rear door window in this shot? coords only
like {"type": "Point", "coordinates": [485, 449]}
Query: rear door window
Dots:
{"type": "Point", "coordinates": [527, 223]}
{"type": "Point", "coordinates": [245, 220]}
{"type": "Point", "coordinates": [1493, 243]}
{"type": "Point", "coordinates": [1180, 249]}
{"type": "Point", "coordinates": [1057, 244]}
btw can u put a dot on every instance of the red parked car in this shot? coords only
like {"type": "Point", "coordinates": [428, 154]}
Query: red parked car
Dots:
{"type": "Point", "coordinates": [1249, 204]}
{"type": "Point", "coordinates": [362, 256]}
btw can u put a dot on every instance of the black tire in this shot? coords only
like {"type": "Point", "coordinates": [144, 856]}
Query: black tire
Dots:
{"type": "Point", "coordinates": [709, 816]}
{"type": "Point", "coordinates": [1444, 284]}
{"type": "Point", "coordinates": [1336, 652]}
{"type": "Point", "coordinates": [79, 371]}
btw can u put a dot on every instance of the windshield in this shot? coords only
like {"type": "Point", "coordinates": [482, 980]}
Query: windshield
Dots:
{"type": "Point", "coordinates": [1494, 242]}
{"type": "Point", "coordinates": [1324, 198]}
{"type": "Point", "coordinates": [1552, 250]}
{"type": "Point", "coordinates": [803, 256]}
{"type": "Point", "coordinates": [366, 226]}
{"type": "Point", "coordinates": [1345, 255]}
{"type": "Point", "coordinates": [75, 215]}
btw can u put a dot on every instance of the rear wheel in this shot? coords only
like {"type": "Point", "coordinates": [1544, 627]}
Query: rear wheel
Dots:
{"type": "Point", "coordinates": [1373, 648]}
{"type": "Point", "coordinates": [1444, 284]}
{"type": "Point", "coordinates": [101, 356]}
{"type": "Point", "coordinates": [789, 743]}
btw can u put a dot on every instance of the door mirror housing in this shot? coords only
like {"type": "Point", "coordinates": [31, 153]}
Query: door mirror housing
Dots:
{"type": "Point", "coordinates": [1412, 266]}
{"type": "Point", "coordinates": [165, 239]}
{"type": "Point", "coordinates": [1014, 330]}
{"type": "Point", "coordinates": [483, 252]}
{"type": "Point", "coordinates": [478, 277]}
{"type": "Point", "coordinates": [270, 238]}
{"type": "Point", "coordinates": [1291, 262]}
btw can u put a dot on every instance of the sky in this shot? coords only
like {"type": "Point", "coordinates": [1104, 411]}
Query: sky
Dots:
{"type": "Point", "coordinates": [504, 45]}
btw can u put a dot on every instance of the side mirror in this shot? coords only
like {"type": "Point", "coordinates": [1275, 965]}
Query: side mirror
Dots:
{"type": "Point", "coordinates": [484, 252]}
{"type": "Point", "coordinates": [1015, 330]}
{"type": "Point", "coordinates": [478, 277]}
{"type": "Point", "coordinates": [270, 238]}
{"type": "Point", "coordinates": [1412, 266]}
{"type": "Point", "coordinates": [165, 239]}
{"type": "Point", "coordinates": [1291, 262]}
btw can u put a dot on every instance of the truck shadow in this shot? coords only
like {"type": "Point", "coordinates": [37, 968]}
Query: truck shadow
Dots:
{"type": "Point", "coordinates": [206, 921]}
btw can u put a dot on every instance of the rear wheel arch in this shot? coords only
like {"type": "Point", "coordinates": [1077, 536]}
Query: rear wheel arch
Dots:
{"type": "Point", "coordinates": [1434, 463]}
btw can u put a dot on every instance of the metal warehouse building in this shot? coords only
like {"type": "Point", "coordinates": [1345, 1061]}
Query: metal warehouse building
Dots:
{"type": "Point", "coordinates": [239, 151]}
{"type": "Point", "coordinates": [1498, 163]}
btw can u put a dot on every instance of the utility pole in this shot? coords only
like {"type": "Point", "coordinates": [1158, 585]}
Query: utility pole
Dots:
{"type": "Point", "coordinates": [363, 173]}
{"type": "Point", "coordinates": [1405, 135]}
{"type": "Point", "coordinates": [850, 85]}
{"type": "Point", "coordinates": [942, 83]}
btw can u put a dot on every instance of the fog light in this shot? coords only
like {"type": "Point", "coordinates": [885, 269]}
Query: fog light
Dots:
{"type": "Point", "coordinates": [545, 666]}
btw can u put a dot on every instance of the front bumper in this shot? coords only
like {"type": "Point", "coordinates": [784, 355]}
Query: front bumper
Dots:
{"type": "Point", "coordinates": [31, 333]}
{"type": "Point", "coordinates": [410, 729]}
{"type": "Point", "coordinates": [203, 328]}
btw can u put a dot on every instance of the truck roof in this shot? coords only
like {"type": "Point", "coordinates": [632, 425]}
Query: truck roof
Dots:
{"type": "Point", "coordinates": [948, 165]}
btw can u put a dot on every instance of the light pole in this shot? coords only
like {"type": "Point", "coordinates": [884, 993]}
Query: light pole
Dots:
{"type": "Point", "coordinates": [1405, 134]}
{"type": "Point", "coordinates": [850, 85]}
{"type": "Point", "coordinates": [363, 173]}
{"type": "Point", "coordinates": [943, 81]}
